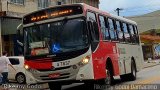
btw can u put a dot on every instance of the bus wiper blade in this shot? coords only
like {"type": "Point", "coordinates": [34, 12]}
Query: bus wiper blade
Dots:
{"type": "Point", "coordinates": [54, 55]}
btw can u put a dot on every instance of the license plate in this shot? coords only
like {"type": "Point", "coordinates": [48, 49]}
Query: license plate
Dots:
{"type": "Point", "coordinates": [55, 75]}
{"type": "Point", "coordinates": [61, 64]}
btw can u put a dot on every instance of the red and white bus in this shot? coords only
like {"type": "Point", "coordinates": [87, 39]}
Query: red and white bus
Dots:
{"type": "Point", "coordinates": [77, 42]}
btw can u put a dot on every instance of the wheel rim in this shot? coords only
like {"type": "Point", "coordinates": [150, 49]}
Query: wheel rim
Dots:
{"type": "Point", "coordinates": [108, 78]}
{"type": "Point", "coordinates": [20, 78]}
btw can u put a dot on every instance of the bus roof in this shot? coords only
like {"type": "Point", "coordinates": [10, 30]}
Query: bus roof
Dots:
{"type": "Point", "coordinates": [80, 4]}
{"type": "Point", "coordinates": [91, 8]}
{"type": "Point", "coordinates": [87, 7]}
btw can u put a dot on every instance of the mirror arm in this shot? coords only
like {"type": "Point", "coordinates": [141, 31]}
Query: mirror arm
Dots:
{"type": "Point", "coordinates": [20, 43]}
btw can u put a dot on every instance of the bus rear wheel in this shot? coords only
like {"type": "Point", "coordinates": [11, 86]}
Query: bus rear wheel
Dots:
{"type": "Point", "coordinates": [101, 84]}
{"type": "Point", "coordinates": [131, 76]}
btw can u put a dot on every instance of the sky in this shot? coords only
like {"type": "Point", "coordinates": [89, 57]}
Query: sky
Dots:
{"type": "Point", "coordinates": [130, 7]}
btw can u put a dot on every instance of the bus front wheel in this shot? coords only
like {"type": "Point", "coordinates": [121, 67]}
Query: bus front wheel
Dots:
{"type": "Point", "coordinates": [108, 79]}
{"type": "Point", "coordinates": [54, 86]}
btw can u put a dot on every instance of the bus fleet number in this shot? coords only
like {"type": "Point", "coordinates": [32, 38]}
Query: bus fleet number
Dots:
{"type": "Point", "coordinates": [63, 63]}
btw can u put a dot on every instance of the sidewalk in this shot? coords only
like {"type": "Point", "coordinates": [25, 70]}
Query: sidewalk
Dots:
{"type": "Point", "coordinates": [151, 63]}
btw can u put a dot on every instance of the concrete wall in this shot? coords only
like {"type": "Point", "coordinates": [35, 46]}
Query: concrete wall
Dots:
{"type": "Point", "coordinates": [94, 3]}
{"type": "Point", "coordinates": [32, 5]}
{"type": "Point", "coordinates": [12, 7]}
{"type": "Point", "coordinates": [29, 6]}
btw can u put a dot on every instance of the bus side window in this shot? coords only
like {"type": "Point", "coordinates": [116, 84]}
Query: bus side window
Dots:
{"type": "Point", "coordinates": [119, 31]}
{"type": "Point", "coordinates": [112, 30]}
{"type": "Point", "coordinates": [126, 33]}
{"type": "Point", "coordinates": [136, 34]}
{"type": "Point", "coordinates": [95, 32]}
{"type": "Point", "coordinates": [133, 35]}
{"type": "Point", "coordinates": [104, 28]}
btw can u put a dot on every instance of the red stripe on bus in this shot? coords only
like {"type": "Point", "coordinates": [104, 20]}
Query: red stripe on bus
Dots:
{"type": "Point", "coordinates": [39, 65]}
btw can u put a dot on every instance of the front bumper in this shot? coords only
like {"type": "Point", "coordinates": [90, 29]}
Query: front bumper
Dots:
{"type": "Point", "coordinates": [69, 73]}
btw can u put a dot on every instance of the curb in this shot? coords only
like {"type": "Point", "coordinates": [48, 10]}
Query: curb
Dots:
{"type": "Point", "coordinates": [151, 65]}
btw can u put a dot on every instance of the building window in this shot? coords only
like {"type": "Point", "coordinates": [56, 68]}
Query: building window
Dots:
{"type": "Point", "coordinates": [59, 3]}
{"type": "Point", "coordinates": [43, 3]}
{"type": "Point", "coordinates": [88, 2]}
{"type": "Point", "coordinates": [18, 1]}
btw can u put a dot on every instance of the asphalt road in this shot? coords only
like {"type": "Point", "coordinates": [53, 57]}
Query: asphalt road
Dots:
{"type": "Point", "coordinates": [148, 76]}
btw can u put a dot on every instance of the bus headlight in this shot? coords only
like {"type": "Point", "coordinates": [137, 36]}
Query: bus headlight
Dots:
{"type": "Point", "coordinates": [84, 61]}
{"type": "Point", "coordinates": [26, 67]}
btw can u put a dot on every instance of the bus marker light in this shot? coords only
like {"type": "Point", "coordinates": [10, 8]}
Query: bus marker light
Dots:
{"type": "Point", "coordinates": [82, 75]}
{"type": "Point", "coordinates": [74, 67]}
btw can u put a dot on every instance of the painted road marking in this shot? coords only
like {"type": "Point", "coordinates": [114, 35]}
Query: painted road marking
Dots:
{"type": "Point", "coordinates": [149, 80]}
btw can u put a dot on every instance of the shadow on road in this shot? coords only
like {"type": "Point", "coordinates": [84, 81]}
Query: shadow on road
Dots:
{"type": "Point", "coordinates": [83, 87]}
{"type": "Point", "coordinates": [80, 87]}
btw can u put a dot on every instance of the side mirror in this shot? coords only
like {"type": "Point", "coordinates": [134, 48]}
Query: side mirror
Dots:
{"type": "Point", "coordinates": [94, 34]}
{"type": "Point", "coordinates": [95, 26]}
{"type": "Point", "coordinates": [20, 29]}
{"type": "Point", "coordinates": [20, 34]}
{"type": "Point", "coordinates": [89, 25]}
{"type": "Point", "coordinates": [90, 30]}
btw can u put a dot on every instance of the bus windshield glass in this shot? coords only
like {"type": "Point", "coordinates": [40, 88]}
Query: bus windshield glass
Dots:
{"type": "Point", "coordinates": [56, 37]}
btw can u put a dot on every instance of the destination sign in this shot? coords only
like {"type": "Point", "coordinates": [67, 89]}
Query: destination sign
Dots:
{"type": "Point", "coordinates": [52, 13]}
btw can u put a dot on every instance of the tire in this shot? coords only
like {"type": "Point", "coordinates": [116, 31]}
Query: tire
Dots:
{"type": "Point", "coordinates": [124, 77]}
{"type": "Point", "coordinates": [21, 78]}
{"type": "Point", "coordinates": [101, 84]}
{"type": "Point", "coordinates": [107, 82]}
{"type": "Point", "coordinates": [54, 86]}
{"type": "Point", "coordinates": [132, 76]}
{"type": "Point", "coordinates": [108, 79]}
{"type": "Point", "coordinates": [110, 73]}
{"type": "Point", "coordinates": [90, 86]}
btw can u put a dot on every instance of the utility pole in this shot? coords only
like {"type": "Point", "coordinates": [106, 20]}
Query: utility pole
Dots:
{"type": "Point", "coordinates": [118, 9]}
{"type": "Point", "coordinates": [0, 5]}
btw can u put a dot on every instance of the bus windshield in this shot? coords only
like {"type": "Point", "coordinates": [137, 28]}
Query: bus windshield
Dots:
{"type": "Point", "coordinates": [56, 37]}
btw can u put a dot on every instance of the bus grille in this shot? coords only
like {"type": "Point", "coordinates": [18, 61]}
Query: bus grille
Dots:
{"type": "Point", "coordinates": [62, 76]}
{"type": "Point", "coordinates": [61, 68]}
